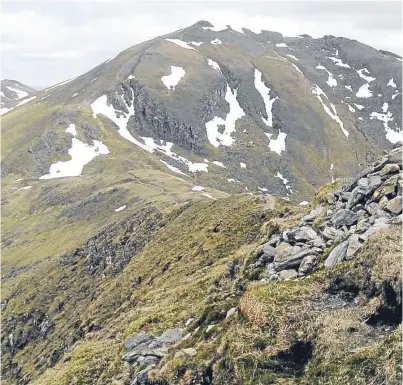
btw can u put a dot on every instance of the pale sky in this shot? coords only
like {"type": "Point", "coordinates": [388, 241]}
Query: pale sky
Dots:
{"type": "Point", "coordinates": [47, 41]}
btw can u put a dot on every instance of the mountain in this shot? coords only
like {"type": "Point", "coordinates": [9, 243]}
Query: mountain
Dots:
{"type": "Point", "coordinates": [145, 201]}
{"type": "Point", "coordinates": [11, 92]}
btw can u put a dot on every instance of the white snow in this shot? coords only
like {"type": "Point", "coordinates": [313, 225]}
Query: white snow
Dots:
{"type": "Point", "coordinates": [304, 203]}
{"type": "Point", "coordinates": [120, 208]}
{"type": "Point", "coordinates": [391, 83]}
{"type": "Point", "coordinates": [214, 65]}
{"type": "Point", "coordinates": [351, 109]}
{"type": "Point", "coordinates": [385, 107]}
{"type": "Point", "coordinates": [235, 112]}
{"type": "Point", "coordinates": [331, 81]}
{"type": "Point", "coordinates": [216, 41]}
{"type": "Point", "coordinates": [131, 77]}
{"type": "Point", "coordinates": [293, 57]}
{"type": "Point", "coordinates": [331, 166]}
{"type": "Point", "coordinates": [71, 129]}
{"type": "Point", "coordinates": [360, 72]}
{"type": "Point", "coordinates": [196, 43]}
{"type": "Point", "coordinates": [360, 118]}
{"type": "Point", "coordinates": [243, 165]}
{"type": "Point", "coordinates": [45, 97]}
{"type": "Point", "coordinates": [93, 80]}
{"type": "Point", "coordinates": [198, 188]}
{"type": "Point", "coordinates": [172, 80]}
{"type": "Point", "coordinates": [181, 43]}
{"type": "Point", "coordinates": [20, 94]}
{"type": "Point", "coordinates": [22, 102]}
{"type": "Point", "coordinates": [265, 93]}
{"type": "Point", "coordinates": [24, 188]}
{"type": "Point", "coordinates": [285, 181]}
{"type": "Point", "coordinates": [264, 189]}
{"type": "Point", "coordinates": [296, 67]}
{"type": "Point", "coordinates": [277, 145]}
{"type": "Point", "coordinates": [281, 45]}
{"type": "Point", "coordinates": [4, 110]}
{"type": "Point", "coordinates": [81, 154]}
{"type": "Point", "coordinates": [394, 95]}
{"type": "Point", "coordinates": [208, 196]}
{"type": "Point", "coordinates": [18, 180]}
{"type": "Point", "coordinates": [217, 163]}
{"type": "Point", "coordinates": [100, 106]}
{"type": "Point", "coordinates": [391, 135]}
{"type": "Point", "coordinates": [58, 85]}
{"type": "Point", "coordinates": [364, 91]}
{"type": "Point", "coordinates": [2, 94]}
{"type": "Point", "coordinates": [216, 28]}
{"type": "Point", "coordinates": [318, 92]}
{"type": "Point", "coordinates": [338, 62]}
{"type": "Point", "coordinates": [172, 168]}
{"type": "Point", "coordinates": [359, 106]}
{"type": "Point", "coordinates": [349, 88]}
{"type": "Point", "coordinates": [74, 95]}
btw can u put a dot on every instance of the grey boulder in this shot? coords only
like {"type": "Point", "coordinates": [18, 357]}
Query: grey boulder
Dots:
{"type": "Point", "coordinates": [337, 255]}
{"type": "Point", "coordinates": [344, 217]}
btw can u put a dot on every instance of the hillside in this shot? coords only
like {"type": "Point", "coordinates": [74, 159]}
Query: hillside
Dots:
{"type": "Point", "coordinates": [14, 93]}
{"type": "Point", "coordinates": [163, 220]}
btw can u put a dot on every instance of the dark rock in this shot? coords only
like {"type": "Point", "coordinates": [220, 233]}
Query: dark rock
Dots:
{"type": "Point", "coordinates": [337, 254]}
{"type": "Point", "coordinates": [307, 265]}
{"type": "Point", "coordinates": [354, 245]}
{"type": "Point", "coordinates": [140, 338]}
{"type": "Point", "coordinates": [147, 361]}
{"type": "Point", "coordinates": [305, 233]}
{"type": "Point", "coordinates": [266, 253]}
{"type": "Point", "coordinates": [386, 189]}
{"type": "Point", "coordinates": [313, 214]}
{"type": "Point", "coordinates": [358, 195]}
{"type": "Point", "coordinates": [344, 217]}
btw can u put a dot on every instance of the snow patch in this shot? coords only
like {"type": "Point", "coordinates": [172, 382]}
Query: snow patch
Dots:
{"type": "Point", "coordinates": [236, 112]}
{"type": "Point", "coordinates": [120, 208]}
{"type": "Point", "coordinates": [24, 188]}
{"type": "Point", "coordinates": [74, 95]}
{"type": "Point", "coordinates": [131, 77]}
{"type": "Point", "coordinates": [196, 43]}
{"type": "Point", "coordinates": [181, 43]}
{"type": "Point", "coordinates": [394, 95]}
{"type": "Point", "coordinates": [20, 94]}
{"type": "Point", "coordinates": [319, 92]}
{"type": "Point", "coordinates": [391, 83]}
{"type": "Point", "coordinates": [172, 80]}
{"type": "Point", "coordinates": [25, 101]}
{"type": "Point", "coordinates": [338, 62]}
{"type": "Point", "coordinates": [349, 88]}
{"type": "Point", "coordinates": [216, 41]}
{"type": "Point", "coordinates": [359, 106]}
{"type": "Point", "coordinates": [391, 135]}
{"type": "Point", "coordinates": [198, 188]}
{"type": "Point", "coordinates": [331, 81]}
{"type": "Point", "coordinates": [93, 80]}
{"type": "Point", "coordinates": [81, 154]}
{"type": "Point", "coordinates": [217, 163]}
{"type": "Point", "coordinates": [263, 189]}
{"type": "Point", "coordinates": [296, 67]}
{"type": "Point", "coordinates": [364, 91]}
{"type": "Point", "coordinates": [285, 181]}
{"type": "Point", "coordinates": [303, 203]}
{"type": "Point", "coordinates": [265, 93]}
{"type": "Point", "coordinates": [281, 45]}
{"type": "Point", "coordinates": [293, 57]}
{"type": "Point", "coordinates": [385, 107]}
{"type": "Point", "coordinates": [277, 145]}
{"type": "Point", "coordinates": [172, 168]}
{"type": "Point", "coordinates": [243, 165]}
{"type": "Point", "coordinates": [71, 129]}
{"type": "Point", "coordinates": [368, 79]}
{"type": "Point", "coordinates": [214, 65]}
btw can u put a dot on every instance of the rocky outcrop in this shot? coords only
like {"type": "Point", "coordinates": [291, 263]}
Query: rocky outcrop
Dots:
{"type": "Point", "coordinates": [145, 351]}
{"type": "Point", "coordinates": [355, 212]}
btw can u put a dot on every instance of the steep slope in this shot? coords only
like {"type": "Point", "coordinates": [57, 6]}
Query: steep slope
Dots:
{"type": "Point", "coordinates": [189, 295]}
{"type": "Point", "coordinates": [12, 92]}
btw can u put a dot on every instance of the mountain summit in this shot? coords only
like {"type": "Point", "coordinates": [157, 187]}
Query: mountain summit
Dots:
{"type": "Point", "coordinates": [236, 110]}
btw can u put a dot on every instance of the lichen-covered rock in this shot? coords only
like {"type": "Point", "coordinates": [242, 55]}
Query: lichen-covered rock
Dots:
{"type": "Point", "coordinates": [344, 217]}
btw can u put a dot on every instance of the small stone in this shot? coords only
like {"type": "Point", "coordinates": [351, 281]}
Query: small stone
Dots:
{"type": "Point", "coordinates": [344, 217]}
{"type": "Point", "coordinates": [337, 254]}
{"type": "Point", "coordinates": [318, 242]}
{"type": "Point", "coordinates": [363, 182]}
{"type": "Point", "coordinates": [390, 169]}
{"type": "Point", "coordinates": [313, 214]}
{"type": "Point", "coordinates": [305, 233]}
{"type": "Point", "coordinates": [294, 260]}
{"type": "Point", "coordinates": [394, 206]}
{"type": "Point", "coordinates": [374, 181]}
{"type": "Point", "coordinates": [190, 352]}
{"type": "Point", "coordinates": [286, 275]}
{"type": "Point", "coordinates": [354, 245]}
{"type": "Point", "coordinates": [332, 233]}
{"type": "Point", "coordinates": [362, 226]}
{"type": "Point", "coordinates": [266, 253]}
{"type": "Point", "coordinates": [373, 230]}
{"type": "Point", "coordinates": [187, 336]}
{"type": "Point", "coordinates": [170, 336]}
{"type": "Point", "coordinates": [189, 321]}
{"type": "Point", "coordinates": [231, 312]}
{"type": "Point", "coordinates": [329, 212]}
{"type": "Point", "coordinates": [209, 328]}
{"type": "Point", "coordinates": [147, 361]}
{"type": "Point", "coordinates": [386, 189]}
{"type": "Point", "coordinates": [274, 240]}
{"type": "Point", "coordinates": [331, 199]}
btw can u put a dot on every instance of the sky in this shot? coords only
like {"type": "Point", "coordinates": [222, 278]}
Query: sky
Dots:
{"type": "Point", "coordinates": [44, 42]}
